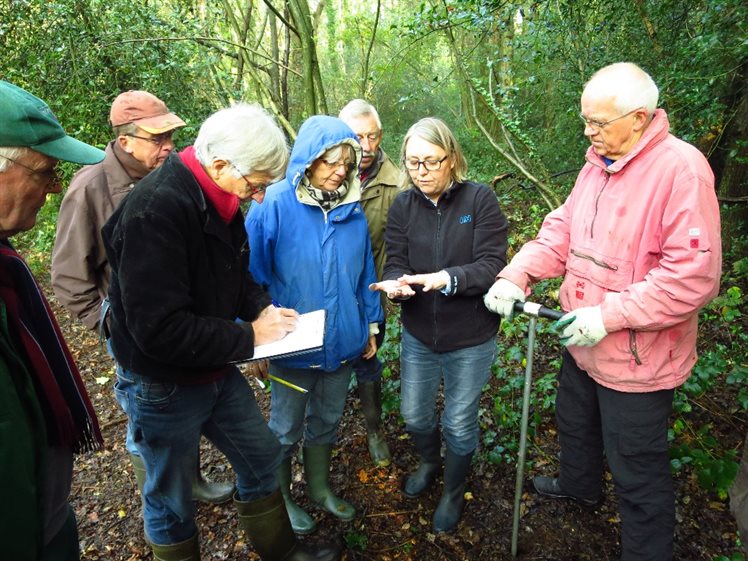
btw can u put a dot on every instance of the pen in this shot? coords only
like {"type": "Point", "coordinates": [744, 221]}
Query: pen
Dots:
{"type": "Point", "coordinates": [289, 384]}
{"type": "Point", "coordinates": [275, 303]}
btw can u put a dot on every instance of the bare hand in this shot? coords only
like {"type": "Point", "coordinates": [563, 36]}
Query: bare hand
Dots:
{"type": "Point", "coordinates": [273, 324]}
{"type": "Point", "coordinates": [371, 347]}
{"type": "Point", "coordinates": [429, 281]}
{"type": "Point", "coordinates": [393, 288]}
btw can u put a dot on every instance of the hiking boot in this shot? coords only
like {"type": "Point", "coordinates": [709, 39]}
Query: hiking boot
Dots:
{"type": "Point", "coordinates": [549, 487]}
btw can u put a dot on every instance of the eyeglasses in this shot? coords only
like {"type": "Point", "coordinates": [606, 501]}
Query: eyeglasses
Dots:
{"type": "Point", "coordinates": [51, 177]}
{"type": "Point", "coordinates": [348, 166]}
{"type": "Point", "coordinates": [370, 136]}
{"type": "Point", "coordinates": [251, 188]}
{"type": "Point", "coordinates": [158, 140]}
{"type": "Point", "coordinates": [595, 124]}
{"type": "Point", "coordinates": [430, 165]}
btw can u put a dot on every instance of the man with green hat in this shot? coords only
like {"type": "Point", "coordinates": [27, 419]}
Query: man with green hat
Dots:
{"type": "Point", "coordinates": [47, 415]}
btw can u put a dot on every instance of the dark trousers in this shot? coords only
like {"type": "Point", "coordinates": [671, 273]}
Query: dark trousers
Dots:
{"type": "Point", "coordinates": [370, 370]}
{"type": "Point", "coordinates": [632, 429]}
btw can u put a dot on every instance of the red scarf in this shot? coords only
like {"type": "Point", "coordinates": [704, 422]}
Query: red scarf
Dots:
{"type": "Point", "coordinates": [227, 204]}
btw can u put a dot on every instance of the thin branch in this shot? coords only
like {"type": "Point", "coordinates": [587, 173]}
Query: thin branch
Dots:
{"type": "Point", "coordinates": [280, 17]}
{"type": "Point", "coordinates": [204, 39]}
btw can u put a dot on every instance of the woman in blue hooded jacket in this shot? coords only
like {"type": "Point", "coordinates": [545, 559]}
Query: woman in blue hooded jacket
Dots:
{"type": "Point", "coordinates": [311, 249]}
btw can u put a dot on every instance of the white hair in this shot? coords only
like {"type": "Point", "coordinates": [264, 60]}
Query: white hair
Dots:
{"type": "Point", "coordinates": [359, 108]}
{"type": "Point", "coordinates": [628, 85]}
{"type": "Point", "coordinates": [247, 136]}
{"type": "Point", "coordinates": [9, 153]}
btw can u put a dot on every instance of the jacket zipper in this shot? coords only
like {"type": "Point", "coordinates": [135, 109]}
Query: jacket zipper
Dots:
{"type": "Point", "coordinates": [597, 201]}
{"type": "Point", "coordinates": [633, 348]}
{"type": "Point", "coordinates": [437, 254]}
{"type": "Point", "coordinates": [597, 262]}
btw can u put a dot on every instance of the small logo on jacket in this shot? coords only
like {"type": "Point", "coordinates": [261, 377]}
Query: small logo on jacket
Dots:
{"type": "Point", "coordinates": [465, 218]}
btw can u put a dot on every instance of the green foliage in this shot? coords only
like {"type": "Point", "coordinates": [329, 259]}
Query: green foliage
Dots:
{"type": "Point", "coordinates": [356, 541]}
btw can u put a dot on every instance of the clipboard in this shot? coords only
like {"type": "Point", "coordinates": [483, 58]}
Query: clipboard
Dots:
{"type": "Point", "coordinates": [308, 337]}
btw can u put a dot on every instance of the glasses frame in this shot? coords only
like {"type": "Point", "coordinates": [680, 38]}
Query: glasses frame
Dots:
{"type": "Point", "coordinates": [53, 175]}
{"type": "Point", "coordinates": [158, 140]}
{"type": "Point", "coordinates": [251, 187]}
{"type": "Point", "coordinates": [599, 125]}
{"type": "Point", "coordinates": [428, 165]}
{"type": "Point", "coordinates": [349, 166]}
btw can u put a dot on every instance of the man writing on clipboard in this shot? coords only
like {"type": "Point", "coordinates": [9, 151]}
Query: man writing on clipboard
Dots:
{"type": "Point", "coordinates": [179, 259]}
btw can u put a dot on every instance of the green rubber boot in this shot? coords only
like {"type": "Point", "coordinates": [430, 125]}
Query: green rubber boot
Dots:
{"type": "Point", "coordinates": [210, 492]}
{"type": "Point", "coordinates": [301, 522]}
{"type": "Point", "coordinates": [317, 470]}
{"type": "Point", "coordinates": [188, 550]}
{"type": "Point", "coordinates": [370, 394]}
{"type": "Point", "coordinates": [266, 523]}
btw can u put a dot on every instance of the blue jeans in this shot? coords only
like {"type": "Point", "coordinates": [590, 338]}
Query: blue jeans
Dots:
{"type": "Point", "coordinates": [370, 370]}
{"type": "Point", "coordinates": [465, 373]}
{"type": "Point", "coordinates": [314, 415]}
{"type": "Point", "coordinates": [167, 421]}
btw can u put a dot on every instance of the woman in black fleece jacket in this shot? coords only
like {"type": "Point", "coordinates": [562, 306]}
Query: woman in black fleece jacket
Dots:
{"type": "Point", "coordinates": [446, 240]}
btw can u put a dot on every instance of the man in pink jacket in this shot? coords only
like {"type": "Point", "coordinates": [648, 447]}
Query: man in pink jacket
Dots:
{"type": "Point", "coordinates": [638, 244]}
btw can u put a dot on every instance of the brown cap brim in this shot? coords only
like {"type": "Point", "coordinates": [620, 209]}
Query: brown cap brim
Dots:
{"type": "Point", "coordinates": [160, 124]}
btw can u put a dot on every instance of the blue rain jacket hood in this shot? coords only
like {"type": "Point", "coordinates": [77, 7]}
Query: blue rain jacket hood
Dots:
{"type": "Point", "coordinates": [308, 258]}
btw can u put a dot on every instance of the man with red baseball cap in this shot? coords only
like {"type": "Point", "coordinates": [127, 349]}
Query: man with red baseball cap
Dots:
{"type": "Point", "coordinates": [143, 127]}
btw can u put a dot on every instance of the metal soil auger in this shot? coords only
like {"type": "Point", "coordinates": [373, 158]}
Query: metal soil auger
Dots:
{"type": "Point", "coordinates": [534, 311]}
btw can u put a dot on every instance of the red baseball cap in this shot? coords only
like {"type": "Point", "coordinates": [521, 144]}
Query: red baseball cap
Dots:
{"type": "Point", "coordinates": [144, 110]}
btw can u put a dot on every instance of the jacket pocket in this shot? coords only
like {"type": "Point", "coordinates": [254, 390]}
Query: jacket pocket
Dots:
{"type": "Point", "coordinates": [610, 273]}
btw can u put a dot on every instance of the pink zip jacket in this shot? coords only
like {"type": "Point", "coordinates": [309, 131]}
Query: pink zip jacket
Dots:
{"type": "Point", "coordinates": [641, 238]}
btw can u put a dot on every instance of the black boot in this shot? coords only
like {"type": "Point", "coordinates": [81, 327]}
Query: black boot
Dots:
{"type": "Point", "coordinates": [370, 394]}
{"type": "Point", "coordinates": [449, 511]}
{"type": "Point", "coordinates": [266, 523]}
{"type": "Point", "coordinates": [429, 448]}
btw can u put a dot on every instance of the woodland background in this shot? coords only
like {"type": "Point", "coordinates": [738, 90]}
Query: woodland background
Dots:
{"type": "Point", "coordinates": [507, 77]}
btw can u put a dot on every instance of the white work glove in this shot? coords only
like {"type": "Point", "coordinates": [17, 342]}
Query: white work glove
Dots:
{"type": "Point", "coordinates": [501, 297]}
{"type": "Point", "coordinates": [583, 327]}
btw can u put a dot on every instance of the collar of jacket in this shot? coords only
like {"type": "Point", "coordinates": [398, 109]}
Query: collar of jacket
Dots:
{"type": "Point", "coordinates": [657, 131]}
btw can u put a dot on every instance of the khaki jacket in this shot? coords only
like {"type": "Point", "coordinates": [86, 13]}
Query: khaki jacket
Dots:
{"type": "Point", "coordinates": [377, 195]}
{"type": "Point", "coordinates": [80, 270]}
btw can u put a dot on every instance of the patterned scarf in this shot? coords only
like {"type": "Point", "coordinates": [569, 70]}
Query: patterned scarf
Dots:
{"type": "Point", "coordinates": [326, 199]}
{"type": "Point", "coordinates": [69, 416]}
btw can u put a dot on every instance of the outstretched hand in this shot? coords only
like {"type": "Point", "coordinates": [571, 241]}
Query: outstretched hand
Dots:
{"type": "Point", "coordinates": [429, 281]}
{"type": "Point", "coordinates": [273, 324]}
{"type": "Point", "coordinates": [394, 289]}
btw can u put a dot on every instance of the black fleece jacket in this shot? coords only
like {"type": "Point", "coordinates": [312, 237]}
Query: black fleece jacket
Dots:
{"type": "Point", "coordinates": [179, 280]}
{"type": "Point", "coordinates": [464, 234]}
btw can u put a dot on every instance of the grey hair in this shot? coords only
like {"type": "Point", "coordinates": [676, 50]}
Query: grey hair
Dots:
{"type": "Point", "coordinates": [436, 132]}
{"type": "Point", "coordinates": [125, 130]}
{"type": "Point", "coordinates": [359, 108]}
{"type": "Point", "coordinates": [247, 136]}
{"type": "Point", "coordinates": [628, 85]}
{"type": "Point", "coordinates": [8, 153]}
{"type": "Point", "coordinates": [335, 154]}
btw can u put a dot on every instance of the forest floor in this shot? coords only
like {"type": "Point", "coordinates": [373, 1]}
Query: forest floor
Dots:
{"type": "Point", "coordinates": [389, 526]}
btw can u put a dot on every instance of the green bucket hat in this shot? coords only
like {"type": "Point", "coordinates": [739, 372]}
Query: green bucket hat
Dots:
{"type": "Point", "coordinates": [25, 120]}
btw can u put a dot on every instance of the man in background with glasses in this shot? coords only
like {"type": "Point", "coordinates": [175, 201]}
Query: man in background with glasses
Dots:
{"type": "Point", "coordinates": [143, 127]}
{"type": "Point", "coordinates": [638, 244]}
{"type": "Point", "coordinates": [379, 186]}
{"type": "Point", "coordinates": [46, 413]}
